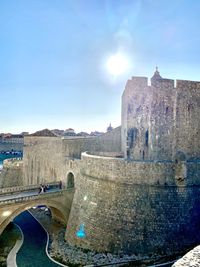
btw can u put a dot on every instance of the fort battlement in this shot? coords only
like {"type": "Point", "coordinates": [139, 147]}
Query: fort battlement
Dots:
{"type": "Point", "coordinates": [136, 83]}
{"type": "Point", "coordinates": [142, 82]}
{"type": "Point", "coordinates": [184, 84]}
{"type": "Point", "coordinates": [153, 173]}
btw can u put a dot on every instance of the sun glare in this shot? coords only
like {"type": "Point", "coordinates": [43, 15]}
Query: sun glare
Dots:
{"type": "Point", "coordinates": [117, 64]}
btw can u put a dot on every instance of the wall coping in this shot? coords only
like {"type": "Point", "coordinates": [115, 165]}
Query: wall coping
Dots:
{"type": "Point", "coordinates": [87, 155]}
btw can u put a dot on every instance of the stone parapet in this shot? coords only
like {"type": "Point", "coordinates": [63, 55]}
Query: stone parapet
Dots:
{"type": "Point", "coordinates": [8, 190]}
{"type": "Point", "coordinates": [182, 84]}
{"type": "Point", "coordinates": [132, 172]}
{"type": "Point", "coordinates": [124, 211]}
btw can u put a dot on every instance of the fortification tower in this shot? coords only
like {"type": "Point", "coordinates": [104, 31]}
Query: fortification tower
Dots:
{"type": "Point", "coordinates": [187, 125]}
{"type": "Point", "coordinates": [160, 122]}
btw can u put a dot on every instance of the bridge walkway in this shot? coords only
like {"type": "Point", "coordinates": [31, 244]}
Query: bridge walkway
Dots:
{"type": "Point", "coordinates": [28, 193]}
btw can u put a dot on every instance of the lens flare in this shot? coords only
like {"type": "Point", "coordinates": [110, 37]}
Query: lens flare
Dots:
{"type": "Point", "coordinates": [117, 64]}
{"type": "Point", "coordinates": [6, 213]}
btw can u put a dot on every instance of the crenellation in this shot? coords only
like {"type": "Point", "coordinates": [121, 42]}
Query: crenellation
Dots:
{"type": "Point", "coordinates": [186, 84]}
{"type": "Point", "coordinates": [139, 80]}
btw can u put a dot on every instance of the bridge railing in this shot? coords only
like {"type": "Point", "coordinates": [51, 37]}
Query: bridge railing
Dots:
{"type": "Point", "coordinates": [28, 198]}
{"type": "Point", "coordinates": [36, 196]}
{"type": "Point", "coordinates": [10, 190]}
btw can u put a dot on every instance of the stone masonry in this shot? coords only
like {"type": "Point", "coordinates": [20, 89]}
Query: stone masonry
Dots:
{"type": "Point", "coordinates": [137, 188]}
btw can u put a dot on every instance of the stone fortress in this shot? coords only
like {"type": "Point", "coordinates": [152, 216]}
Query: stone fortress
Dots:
{"type": "Point", "coordinates": [137, 187]}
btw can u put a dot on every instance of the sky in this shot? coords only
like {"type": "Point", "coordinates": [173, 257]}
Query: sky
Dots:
{"type": "Point", "coordinates": [54, 57]}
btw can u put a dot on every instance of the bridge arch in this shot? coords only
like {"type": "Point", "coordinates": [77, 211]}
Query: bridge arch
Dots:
{"type": "Point", "coordinates": [59, 212]}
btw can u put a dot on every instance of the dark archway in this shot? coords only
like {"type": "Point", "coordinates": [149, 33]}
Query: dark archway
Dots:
{"type": "Point", "coordinates": [70, 180]}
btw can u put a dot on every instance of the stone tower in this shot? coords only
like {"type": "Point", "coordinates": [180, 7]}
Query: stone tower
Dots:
{"type": "Point", "coordinates": [157, 120]}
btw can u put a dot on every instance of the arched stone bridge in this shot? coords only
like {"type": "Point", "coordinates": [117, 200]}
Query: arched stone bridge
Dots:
{"type": "Point", "coordinates": [15, 200]}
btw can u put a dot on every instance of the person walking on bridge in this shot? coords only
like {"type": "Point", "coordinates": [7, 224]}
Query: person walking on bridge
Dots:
{"type": "Point", "coordinates": [41, 189]}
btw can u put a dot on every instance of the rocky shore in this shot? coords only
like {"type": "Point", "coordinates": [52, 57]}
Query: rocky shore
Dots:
{"type": "Point", "coordinates": [61, 251]}
{"type": "Point", "coordinates": [192, 259]}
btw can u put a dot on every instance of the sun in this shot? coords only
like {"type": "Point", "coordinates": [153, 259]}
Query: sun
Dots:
{"type": "Point", "coordinates": [117, 64]}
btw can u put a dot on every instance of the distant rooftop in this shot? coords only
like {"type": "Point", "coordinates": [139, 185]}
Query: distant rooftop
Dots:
{"type": "Point", "coordinates": [156, 75]}
{"type": "Point", "coordinates": [45, 132]}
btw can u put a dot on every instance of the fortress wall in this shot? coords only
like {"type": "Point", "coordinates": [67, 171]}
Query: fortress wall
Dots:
{"type": "Point", "coordinates": [140, 172]}
{"type": "Point", "coordinates": [11, 175]}
{"type": "Point", "coordinates": [159, 121]}
{"type": "Point", "coordinates": [148, 120]}
{"type": "Point", "coordinates": [73, 146]}
{"type": "Point", "coordinates": [110, 142]}
{"type": "Point", "coordinates": [133, 218]}
{"type": "Point", "coordinates": [130, 172]}
{"type": "Point", "coordinates": [193, 173]}
{"type": "Point", "coordinates": [184, 84]}
{"type": "Point", "coordinates": [43, 160]}
{"type": "Point", "coordinates": [135, 116]}
{"type": "Point", "coordinates": [162, 122]}
{"type": "Point", "coordinates": [187, 118]}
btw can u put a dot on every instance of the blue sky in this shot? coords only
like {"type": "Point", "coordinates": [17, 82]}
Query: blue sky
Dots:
{"type": "Point", "coordinates": [53, 56]}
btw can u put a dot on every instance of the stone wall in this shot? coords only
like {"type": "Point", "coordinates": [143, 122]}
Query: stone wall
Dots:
{"type": "Point", "coordinates": [43, 160]}
{"type": "Point", "coordinates": [135, 99]}
{"type": "Point", "coordinates": [134, 213]}
{"type": "Point", "coordinates": [12, 173]}
{"type": "Point", "coordinates": [160, 120]}
{"type": "Point", "coordinates": [187, 118]}
{"type": "Point", "coordinates": [110, 142]}
{"type": "Point", "coordinates": [47, 159]}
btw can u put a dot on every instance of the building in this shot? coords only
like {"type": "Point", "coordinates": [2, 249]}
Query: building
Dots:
{"type": "Point", "coordinates": [12, 138]}
{"type": "Point", "coordinates": [69, 132]}
{"type": "Point", "coordinates": [110, 128]}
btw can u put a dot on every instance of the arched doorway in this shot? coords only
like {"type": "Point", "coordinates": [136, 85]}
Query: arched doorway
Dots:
{"type": "Point", "coordinates": [70, 180]}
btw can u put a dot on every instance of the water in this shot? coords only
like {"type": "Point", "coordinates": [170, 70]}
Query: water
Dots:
{"type": "Point", "coordinates": [32, 252]}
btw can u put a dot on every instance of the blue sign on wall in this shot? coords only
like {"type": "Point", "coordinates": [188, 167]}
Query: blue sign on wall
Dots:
{"type": "Point", "coordinates": [81, 232]}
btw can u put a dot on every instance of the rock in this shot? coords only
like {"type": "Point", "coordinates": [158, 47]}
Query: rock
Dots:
{"type": "Point", "coordinates": [192, 259]}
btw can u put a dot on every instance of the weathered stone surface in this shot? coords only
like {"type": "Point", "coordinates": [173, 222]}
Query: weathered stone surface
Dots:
{"type": "Point", "coordinates": [12, 173]}
{"type": "Point", "coordinates": [192, 259]}
{"type": "Point", "coordinates": [160, 119]}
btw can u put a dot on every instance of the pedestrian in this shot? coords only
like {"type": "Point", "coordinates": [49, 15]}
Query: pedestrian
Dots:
{"type": "Point", "coordinates": [45, 188]}
{"type": "Point", "coordinates": [60, 184]}
{"type": "Point", "coordinates": [41, 189]}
